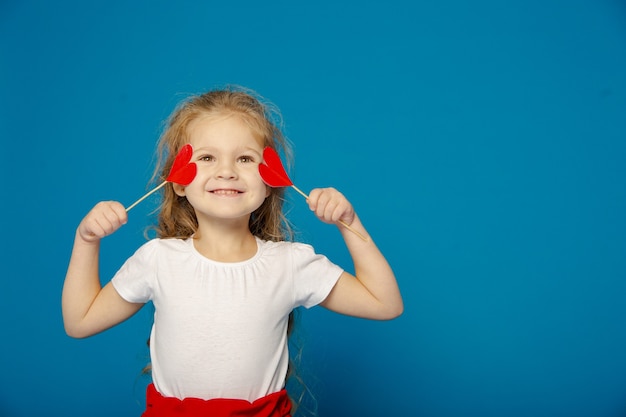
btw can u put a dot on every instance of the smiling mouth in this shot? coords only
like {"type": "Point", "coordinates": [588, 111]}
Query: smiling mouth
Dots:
{"type": "Point", "coordinates": [226, 192]}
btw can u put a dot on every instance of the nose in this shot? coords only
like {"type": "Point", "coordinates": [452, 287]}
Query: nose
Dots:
{"type": "Point", "coordinates": [226, 170]}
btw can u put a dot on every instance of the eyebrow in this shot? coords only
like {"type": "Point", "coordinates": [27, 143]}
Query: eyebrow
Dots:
{"type": "Point", "coordinates": [237, 150]}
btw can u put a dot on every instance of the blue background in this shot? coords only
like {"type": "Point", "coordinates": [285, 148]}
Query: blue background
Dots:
{"type": "Point", "coordinates": [482, 143]}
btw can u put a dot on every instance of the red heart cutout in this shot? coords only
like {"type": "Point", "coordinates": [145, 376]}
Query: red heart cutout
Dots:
{"type": "Point", "coordinates": [183, 171]}
{"type": "Point", "coordinates": [272, 171]}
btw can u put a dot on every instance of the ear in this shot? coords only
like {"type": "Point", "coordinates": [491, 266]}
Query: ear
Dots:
{"type": "Point", "coordinates": [178, 189]}
{"type": "Point", "coordinates": [268, 191]}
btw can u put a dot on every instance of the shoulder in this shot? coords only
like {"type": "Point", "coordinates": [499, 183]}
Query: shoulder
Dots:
{"type": "Point", "coordinates": [299, 255]}
{"type": "Point", "coordinates": [285, 247]}
{"type": "Point", "coordinates": [156, 247]}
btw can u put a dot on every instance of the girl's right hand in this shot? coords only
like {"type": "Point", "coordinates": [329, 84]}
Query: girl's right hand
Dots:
{"type": "Point", "coordinates": [104, 219]}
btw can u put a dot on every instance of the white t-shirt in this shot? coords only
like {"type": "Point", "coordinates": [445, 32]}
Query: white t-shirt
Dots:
{"type": "Point", "coordinates": [220, 328]}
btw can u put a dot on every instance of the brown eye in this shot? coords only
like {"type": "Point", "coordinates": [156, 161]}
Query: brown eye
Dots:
{"type": "Point", "coordinates": [206, 158]}
{"type": "Point", "coordinates": [246, 158]}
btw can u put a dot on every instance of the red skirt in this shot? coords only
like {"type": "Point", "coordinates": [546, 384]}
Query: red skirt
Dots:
{"type": "Point", "coordinates": [273, 405]}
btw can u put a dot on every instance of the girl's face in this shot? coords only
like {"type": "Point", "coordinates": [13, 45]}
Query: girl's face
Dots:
{"type": "Point", "coordinates": [228, 185]}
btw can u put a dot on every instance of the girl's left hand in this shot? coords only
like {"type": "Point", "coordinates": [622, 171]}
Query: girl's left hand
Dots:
{"type": "Point", "coordinates": [330, 206]}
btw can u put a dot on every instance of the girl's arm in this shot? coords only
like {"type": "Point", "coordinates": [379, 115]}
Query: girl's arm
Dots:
{"type": "Point", "coordinates": [372, 292]}
{"type": "Point", "coordinates": [87, 307]}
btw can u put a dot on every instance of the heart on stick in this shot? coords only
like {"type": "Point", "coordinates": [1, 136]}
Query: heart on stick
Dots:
{"type": "Point", "coordinates": [272, 171]}
{"type": "Point", "coordinates": [273, 174]}
{"type": "Point", "coordinates": [182, 172]}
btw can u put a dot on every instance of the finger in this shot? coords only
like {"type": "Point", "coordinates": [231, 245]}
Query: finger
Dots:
{"type": "Point", "coordinates": [120, 211]}
{"type": "Point", "coordinates": [104, 219]}
{"type": "Point", "coordinates": [113, 217]}
{"type": "Point", "coordinates": [313, 198]}
{"type": "Point", "coordinates": [341, 210]}
{"type": "Point", "coordinates": [323, 208]}
{"type": "Point", "coordinates": [338, 212]}
{"type": "Point", "coordinates": [90, 230]}
{"type": "Point", "coordinates": [330, 209]}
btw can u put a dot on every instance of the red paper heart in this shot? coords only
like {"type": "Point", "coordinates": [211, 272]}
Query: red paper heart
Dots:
{"type": "Point", "coordinates": [183, 171]}
{"type": "Point", "coordinates": [272, 171]}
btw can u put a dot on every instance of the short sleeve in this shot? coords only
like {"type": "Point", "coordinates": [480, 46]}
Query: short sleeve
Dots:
{"type": "Point", "coordinates": [314, 275]}
{"type": "Point", "coordinates": [134, 280]}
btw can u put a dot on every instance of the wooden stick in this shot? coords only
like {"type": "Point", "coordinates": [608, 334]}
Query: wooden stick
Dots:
{"type": "Point", "coordinates": [302, 193]}
{"type": "Point", "coordinates": [145, 196]}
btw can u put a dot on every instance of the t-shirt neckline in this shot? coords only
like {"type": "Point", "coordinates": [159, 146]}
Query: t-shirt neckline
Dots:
{"type": "Point", "coordinates": [252, 259]}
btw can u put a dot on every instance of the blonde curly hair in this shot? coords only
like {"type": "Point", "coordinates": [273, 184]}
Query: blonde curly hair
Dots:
{"type": "Point", "coordinates": [176, 217]}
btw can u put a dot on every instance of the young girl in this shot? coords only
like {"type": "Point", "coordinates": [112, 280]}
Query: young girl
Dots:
{"type": "Point", "coordinates": [222, 275]}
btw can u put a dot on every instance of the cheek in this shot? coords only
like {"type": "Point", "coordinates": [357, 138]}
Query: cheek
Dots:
{"type": "Point", "coordinates": [194, 186]}
{"type": "Point", "coordinates": [266, 188]}
{"type": "Point", "coordinates": [260, 186]}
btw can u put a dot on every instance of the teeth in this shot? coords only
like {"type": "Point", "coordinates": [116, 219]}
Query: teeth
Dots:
{"type": "Point", "coordinates": [226, 192]}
